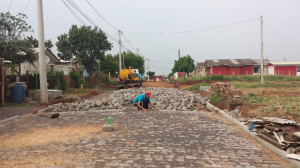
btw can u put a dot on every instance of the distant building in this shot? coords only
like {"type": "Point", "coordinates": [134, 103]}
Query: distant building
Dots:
{"type": "Point", "coordinates": [284, 68]}
{"type": "Point", "coordinates": [229, 67]}
{"type": "Point", "coordinates": [52, 63]}
{"type": "Point", "coordinates": [178, 75]}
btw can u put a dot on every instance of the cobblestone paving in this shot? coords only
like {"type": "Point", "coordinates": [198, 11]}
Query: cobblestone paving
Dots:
{"type": "Point", "coordinates": [142, 139]}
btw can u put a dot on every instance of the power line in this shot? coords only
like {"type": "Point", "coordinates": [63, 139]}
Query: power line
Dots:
{"type": "Point", "coordinates": [73, 13]}
{"type": "Point", "coordinates": [101, 15]}
{"type": "Point", "coordinates": [127, 41]}
{"type": "Point", "coordinates": [161, 62]}
{"type": "Point", "coordinates": [195, 30]}
{"type": "Point", "coordinates": [152, 43]}
{"type": "Point", "coordinates": [26, 6]}
{"type": "Point", "coordinates": [89, 19]}
{"type": "Point", "coordinates": [10, 5]}
{"type": "Point", "coordinates": [74, 5]}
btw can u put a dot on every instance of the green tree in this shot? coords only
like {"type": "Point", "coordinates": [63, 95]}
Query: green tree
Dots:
{"type": "Point", "coordinates": [149, 73]}
{"type": "Point", "coordinates": [12, 27]}
{"type": "Point", "coordinates": [186, 65]}
{"type": "Point", "coordinates": [13, 46]}
{"type": "Point", "coordinates": [87, 43]}
{"type": "Point", "coordinates": [110, 64]}
{"type": "Point", "coordinates": [35, 43]}
{"type": "Point", "coordinates": [134, 61]}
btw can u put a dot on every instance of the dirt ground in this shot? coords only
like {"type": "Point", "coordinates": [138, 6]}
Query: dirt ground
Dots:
{"type": "Point", "coordinates": [166, 85]}
{"type": "Point", "coordinates": [23, 109]}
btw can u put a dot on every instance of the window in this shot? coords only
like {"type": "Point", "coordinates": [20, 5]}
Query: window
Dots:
{"type": "Point", "coordinates": [235, 67]}
{"type": "Point", "coordinates": [256, 69]}
{"type": "Point", "coordinates": [298, 69]}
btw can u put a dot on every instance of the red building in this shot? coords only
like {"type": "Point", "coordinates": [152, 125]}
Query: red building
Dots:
{"type": "Point", "coordinates": [233, 67]}
{"type": "Point", "coordinates": [284, 68]}
{"type": "Point", "coordinates": [155, 78]}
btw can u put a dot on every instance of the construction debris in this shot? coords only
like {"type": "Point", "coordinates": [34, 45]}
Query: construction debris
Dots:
{"type": "Point", "coordinates": [162, 99]}
{"type": "Point", "coordinates": [233, 95]}
{"type": "Point", "coordinates": [282, 133]}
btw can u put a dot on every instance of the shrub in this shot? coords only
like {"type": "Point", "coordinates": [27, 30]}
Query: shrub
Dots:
{"type": "Point", "coordinates": [58, 80]}
{"type": "Point", "coordinates": [74, 76]}
{"type": "Point", "coordinates": [218, 97]}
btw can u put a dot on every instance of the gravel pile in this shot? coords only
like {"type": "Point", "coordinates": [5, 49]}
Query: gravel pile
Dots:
{"type": "Point", "coordinates": [162, 99]}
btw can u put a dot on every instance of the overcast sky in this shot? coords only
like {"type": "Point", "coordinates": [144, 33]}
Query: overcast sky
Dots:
{"type": "Point", "coordinates": [151, 27]}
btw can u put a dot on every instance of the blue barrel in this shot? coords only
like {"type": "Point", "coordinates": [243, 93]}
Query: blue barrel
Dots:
{"type": "Point", "coordinates": [18, 94]}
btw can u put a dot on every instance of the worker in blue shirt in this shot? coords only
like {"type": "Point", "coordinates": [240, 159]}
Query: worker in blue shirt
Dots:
{"type": "Point", "coordinates": [142, 101]}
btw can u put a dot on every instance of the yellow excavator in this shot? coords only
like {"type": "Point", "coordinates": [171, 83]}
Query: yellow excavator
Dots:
{"type": "Point", "coordinates": [129, 77]}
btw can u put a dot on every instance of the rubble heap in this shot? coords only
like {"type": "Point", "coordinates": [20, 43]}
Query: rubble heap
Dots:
{"type": "Point", "coordinates": [162, 99]}
{"type": "Point", "coordinates": [282, 133]}
{"type": "Point", "coordinates": [232, 94]}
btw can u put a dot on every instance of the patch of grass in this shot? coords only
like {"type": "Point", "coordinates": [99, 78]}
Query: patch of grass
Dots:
{"type": "Point", "coordinates": [267, 85]}
{"type": "Point", "coordinates": [197, 86]}
{"type": "Point", "coordinates": [31, 90]}
{"type": "Point", "coordinates": [217, 97]}
{"type": "Point", "coordinates": [8, 104]}
{"type": "Point", "coordinates": [74, 91]}
{"type": "Point", "coordinates": [252, 98]}
{"type": "Point", "coordinates": [244, 78]}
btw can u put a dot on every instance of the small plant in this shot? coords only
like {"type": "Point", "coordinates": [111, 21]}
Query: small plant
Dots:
{"type": "Point", "coordinates": [218, 97]}
{"type": "Point", "coordinates": [274, 107]}
{"type": "Point", "coordinates": [252, 98]}
{"type": "Point", "coordinates": [288, 109]}
{"type": "Point", "coordinates": [104, 78]}
{"type": "Point", "coordinates": [75, 77]}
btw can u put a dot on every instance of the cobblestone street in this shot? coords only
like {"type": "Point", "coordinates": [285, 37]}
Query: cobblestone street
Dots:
{"type": "Point", "coordinates": [141, 139]}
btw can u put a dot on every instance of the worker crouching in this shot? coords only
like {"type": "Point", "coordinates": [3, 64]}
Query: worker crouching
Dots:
{"type": "Point", "coordinates": [143, 101]}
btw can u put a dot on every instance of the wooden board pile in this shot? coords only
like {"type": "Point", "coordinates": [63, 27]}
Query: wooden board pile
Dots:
{"type": "Point", "coordinates": [282, 133]}
{"type": "Point", "coordinates": [232, 94]}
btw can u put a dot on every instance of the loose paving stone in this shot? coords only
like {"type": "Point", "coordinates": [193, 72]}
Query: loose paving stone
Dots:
{"type": "Point", "coordinates": [162, 98]}
{"type": "Point", "coordinates": [141, 139]}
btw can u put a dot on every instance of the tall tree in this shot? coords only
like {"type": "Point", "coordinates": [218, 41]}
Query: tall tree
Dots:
{"type": "Point", "coordinates": [135, 61]}
{"type": "Point", "coordinates": [109, 64]}
{"type": "Point", "coordinates": [35, 43]}
{"type": "Point", "coordinates": [13, 27]}
{"type": "Point", "coordinates": [185, 64]}
{"type": "Point", "coordinates": [150, 73]}
{"type": "Point", "coordinates": [87, 43]}
{"type": "Point", "coordinates": [13, 46]}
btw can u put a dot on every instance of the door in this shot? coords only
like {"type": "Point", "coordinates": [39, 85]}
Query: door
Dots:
{"type": "Point", "coordinates": [270, 70]}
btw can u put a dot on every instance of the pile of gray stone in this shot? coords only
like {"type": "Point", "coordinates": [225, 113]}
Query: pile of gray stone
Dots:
{"type": "Point", "coordinates": [162, 99]}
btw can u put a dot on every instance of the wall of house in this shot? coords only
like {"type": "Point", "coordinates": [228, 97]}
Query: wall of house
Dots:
{"type": "Point", "coordinates": [220, 70]}
{"type": "Point", "coordinates": [234, 70]}
{"type": "Point", "coordinates": [247, 70]}
{"type": "Point", "coordinates": [285, 70]}
{"type": "Point", "coordinates": [231, 70]}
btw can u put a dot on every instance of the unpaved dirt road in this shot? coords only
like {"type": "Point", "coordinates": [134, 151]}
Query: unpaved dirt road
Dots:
{"type": "Point", "coordinates": [165, 85]}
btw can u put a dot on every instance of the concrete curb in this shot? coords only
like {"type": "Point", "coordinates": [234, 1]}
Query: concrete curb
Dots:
{"type": "Point", "coordinates": [9, 119]}
{"type": "Point", "coordinates": [270, 146]}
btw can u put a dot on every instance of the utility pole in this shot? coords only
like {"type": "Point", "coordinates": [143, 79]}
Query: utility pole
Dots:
{"type": "Point", "coordinates": [42, 64]}
{"type": "Point", "coordinates": [147, 68]}
{"type": "Point", "coordinates": [178, 60]}
{"type": "Point", "coordinates": [120, 59]}
{"type": "Point", "coordinates": [261, 52]}
{"type": "Point", "coordinates": [137, 51]}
